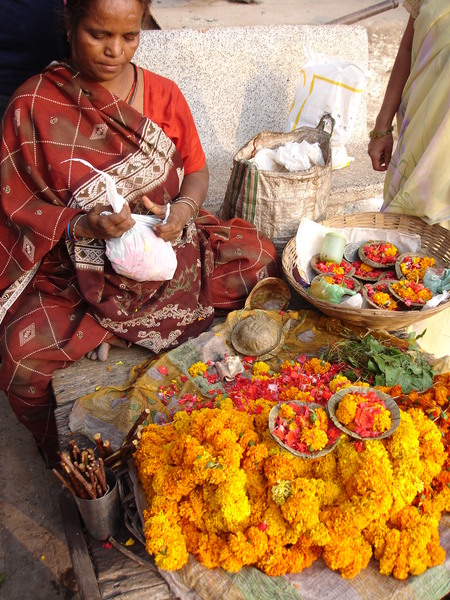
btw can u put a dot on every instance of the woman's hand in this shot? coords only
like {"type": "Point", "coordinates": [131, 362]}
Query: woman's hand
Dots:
{"type": "Point", "coordinates": [94, 225]}
{"type": "Point", "coordinates": [380, 151]}
{"type": "Point", "coordinates": [178, 217]}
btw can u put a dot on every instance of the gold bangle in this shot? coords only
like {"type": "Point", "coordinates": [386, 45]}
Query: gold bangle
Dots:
{"type": "Point", "coordinates": [379, 134]}
{"type": "Point", "coordinates": [191, 203]}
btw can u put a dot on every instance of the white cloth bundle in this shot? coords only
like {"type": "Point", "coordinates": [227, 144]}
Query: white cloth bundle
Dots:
{"type": "Point", "coordinates": [292, 156]}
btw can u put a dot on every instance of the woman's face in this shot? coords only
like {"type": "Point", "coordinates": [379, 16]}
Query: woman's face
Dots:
{"type": "Point", "coordinates": [106, 39]}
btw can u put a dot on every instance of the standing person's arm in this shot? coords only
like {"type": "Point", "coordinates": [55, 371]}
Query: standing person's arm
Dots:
{"type": "Point", "coordinates": [380, 148]}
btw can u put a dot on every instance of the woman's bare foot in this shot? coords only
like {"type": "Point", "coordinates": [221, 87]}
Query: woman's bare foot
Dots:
{"type": "Point", "coordinates": [101, 353]}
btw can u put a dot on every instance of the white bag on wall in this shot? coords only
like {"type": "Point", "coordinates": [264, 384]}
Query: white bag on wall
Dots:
{"type": "Point", "coordinates": [328, 85]}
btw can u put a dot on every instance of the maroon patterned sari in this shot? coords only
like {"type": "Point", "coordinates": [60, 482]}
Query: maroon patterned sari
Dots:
{"type": "Point", "coordinates": [61, 299]}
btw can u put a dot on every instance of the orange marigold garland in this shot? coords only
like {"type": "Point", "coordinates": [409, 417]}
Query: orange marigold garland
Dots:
{"type": "Point", "coordinates": [219, 487]}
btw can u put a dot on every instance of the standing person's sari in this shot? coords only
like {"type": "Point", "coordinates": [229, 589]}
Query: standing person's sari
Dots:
{"type": "Point", "coordinates": [418, 180]}
{"type": "Point", "coordinates": [61, 299]}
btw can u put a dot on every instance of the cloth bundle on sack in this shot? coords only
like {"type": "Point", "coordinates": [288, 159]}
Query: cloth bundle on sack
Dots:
{"type": "Point", "coordinates": [333, 85]}
{"type": "Point", "coordinates": [138, 254]}
{"type": "Point", "coordinates": [276, 201]}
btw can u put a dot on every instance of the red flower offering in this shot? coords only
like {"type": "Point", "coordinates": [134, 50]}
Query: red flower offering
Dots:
{"type": "Point", "coordinates": [413, 266]}
{"type": "Point", "coordinates": [364, 412]}
{"type": "Point", "coordinates": [365, 271]}
{"type": "Point", "coordinates": [410, 292]}
{"type": "Point", "coordinates": [379, 253]}
{"type": "Point", "coordinates": [320, 266]}
{"type": "Point", "coordinates": [378, 294]}
{"type": "Point", "coordinates": [303, 428]}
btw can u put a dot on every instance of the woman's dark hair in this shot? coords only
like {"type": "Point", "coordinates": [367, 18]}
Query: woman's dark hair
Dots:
{"type": "Point", "coordinates": [74, 10]}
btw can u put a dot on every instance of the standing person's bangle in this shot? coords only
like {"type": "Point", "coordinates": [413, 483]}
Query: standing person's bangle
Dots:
{"type": "Point", "coordinates": [190, 202]}
{"type": "Point", "coordinates": [379, 134]}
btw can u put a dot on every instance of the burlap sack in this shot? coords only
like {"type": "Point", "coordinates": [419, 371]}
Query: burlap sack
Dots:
{"type": "Point", "coordinates": [276, 202]}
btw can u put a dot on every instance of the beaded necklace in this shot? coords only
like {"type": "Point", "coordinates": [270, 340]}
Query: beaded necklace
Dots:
{"type": "Point", "coordinates": [132, 93]}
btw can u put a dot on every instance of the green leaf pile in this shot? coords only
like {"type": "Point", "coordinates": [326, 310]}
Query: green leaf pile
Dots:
{"type": "Point", "coordinates": [382, 364]}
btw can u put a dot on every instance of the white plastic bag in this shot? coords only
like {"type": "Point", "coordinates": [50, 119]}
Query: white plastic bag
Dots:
{"type": "Point", "coordinates": [139, 253]}
{"type": "Point", "coordinates": [328, 85]}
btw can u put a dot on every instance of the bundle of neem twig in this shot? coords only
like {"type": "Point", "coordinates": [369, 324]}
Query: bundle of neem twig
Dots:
{"type": "Point", "coordinates": [83, 472]}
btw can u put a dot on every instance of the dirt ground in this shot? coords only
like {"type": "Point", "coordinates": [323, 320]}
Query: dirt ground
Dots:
{"type": "Point", "coordinates": [34, 559]}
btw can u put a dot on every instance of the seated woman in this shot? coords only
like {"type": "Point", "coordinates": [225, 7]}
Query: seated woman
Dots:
{"type": "Point", "coordinates": [61, 297]}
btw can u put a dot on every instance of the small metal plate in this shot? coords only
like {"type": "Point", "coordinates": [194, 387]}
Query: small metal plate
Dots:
{"type": "Point", "coordinates": [351, 252]}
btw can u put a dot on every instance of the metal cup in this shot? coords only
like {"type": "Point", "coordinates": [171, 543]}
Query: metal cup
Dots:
{"type": "Point", "coordinates": [102, 516]}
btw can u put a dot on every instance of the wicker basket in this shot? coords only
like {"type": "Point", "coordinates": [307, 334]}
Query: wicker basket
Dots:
{"type": "Point", "coordinates": [435, 242]}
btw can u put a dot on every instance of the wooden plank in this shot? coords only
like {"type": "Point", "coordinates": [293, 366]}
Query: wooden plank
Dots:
{"type": "Point", "coordinates": [121, 576]}
{"type": "Point", "coordinates": [82, 565]}
{"type": "Point", "coordinates": [84, 377]}
{"type": "Point", "coordinates": [103, 572]}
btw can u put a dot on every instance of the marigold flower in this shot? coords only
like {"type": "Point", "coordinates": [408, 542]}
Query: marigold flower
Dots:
{"type": "Point", "coordinates": [281, 491]}
{"type": "Point", "coordinates": [316, 439]}
{"type": "Point", "coordinates": [260, 367]}
{"type": "Point", "coordinates": [346, 409]}
{"type": "Point", "coordinates": [382, 422]}
{"type": "Point", "coordinates": [384, 300]}
{"type": "Point", "coordinates": [339, 382]}
{"type": "Point", "coordinates": [286, 411]}
{"type": "Point", "coordinates": [197, 369]}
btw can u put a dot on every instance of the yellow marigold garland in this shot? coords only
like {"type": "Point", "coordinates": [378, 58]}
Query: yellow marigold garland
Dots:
{"type": "Point", "coordinates": [218, 487]}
